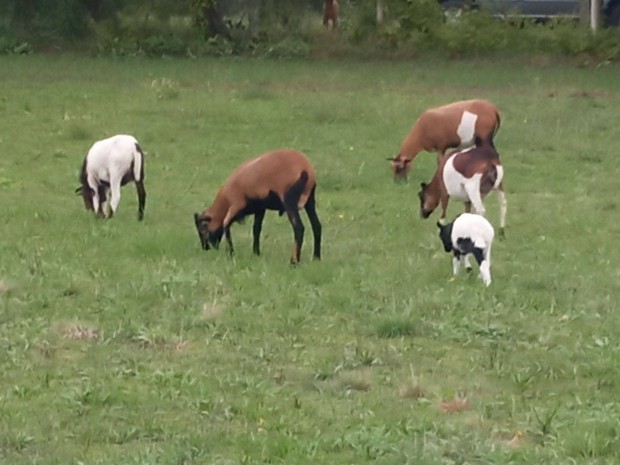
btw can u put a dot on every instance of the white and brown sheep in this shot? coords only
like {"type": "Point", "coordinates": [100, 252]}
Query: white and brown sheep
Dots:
{"type": "Point", "coordinates": [282, 180]}
{"type": "Point", "coordinates": [110, 164]}
{"type": "Point", "coordinates": [467, 175]}
{"type": "Point", "coordinates": [451, 126]}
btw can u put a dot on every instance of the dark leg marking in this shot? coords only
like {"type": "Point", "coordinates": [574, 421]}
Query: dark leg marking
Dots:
{"type": "Point", "coordinates": [141, 199]}
{"type": "Point", "coordinates": [315, 223]}
{"type": "Point", "coordinates": [478, 254]}
{"type": "Point", "coordinates": [229, 240]}
{"type": "Point", "coordinates": [291, 200]}
{"type": "Point", "coordinates": [257, 228]}
{"type": "Point", "coordinates": [101, 190]}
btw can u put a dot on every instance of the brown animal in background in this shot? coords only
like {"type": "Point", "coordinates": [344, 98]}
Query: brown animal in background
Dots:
{"type": "Point", "coordinates": [450, 126]}
{"type": "Point", "coordinates": [283, 180]}
{"type": "Point", "coordinates": [468, 175]}
{"type": "Point", "coordinates": [330, 13]}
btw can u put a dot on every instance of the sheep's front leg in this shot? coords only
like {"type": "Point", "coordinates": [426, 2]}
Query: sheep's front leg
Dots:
{"type": "Point", "coordinates": [466, 263]}
{"type": "Point", "coordinates": [444, 207]}
{"type": "Point", "coordinates": [485, 272]}
{"type": "Point", "coordinates": [105, 203]}
{"type": "Point", "coordinates": [485, 266]}
{"type": "Point", "coordinates": [94, 187]}
{"type": "Point", "coordinates": [231, 249]}
{"type": "Point", "coordinates": [456, 263]}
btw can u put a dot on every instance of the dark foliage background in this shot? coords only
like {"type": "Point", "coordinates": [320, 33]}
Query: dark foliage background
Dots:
{"type": "Point", "coordinates": [285, 28]}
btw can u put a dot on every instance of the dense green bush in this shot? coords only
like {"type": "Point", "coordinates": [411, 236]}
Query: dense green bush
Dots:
{"type": "Point", "coordinates": [284, 29]}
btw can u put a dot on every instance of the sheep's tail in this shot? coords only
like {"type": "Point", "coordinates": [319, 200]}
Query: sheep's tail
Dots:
{"type": "Point", "coordinates": [493, 176]}
{"type": "Point", "coordinates": [138, 163]}
{"type": "Point", "coordinates": [293, 196]}
{"type": "Point", "coordinates": [498, 117]}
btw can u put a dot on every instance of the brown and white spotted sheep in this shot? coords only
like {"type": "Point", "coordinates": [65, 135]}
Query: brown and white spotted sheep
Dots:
{"type": "Point", "coordinates": [467, 175]}
{"type": "Point", "coordinates": [451, 126]}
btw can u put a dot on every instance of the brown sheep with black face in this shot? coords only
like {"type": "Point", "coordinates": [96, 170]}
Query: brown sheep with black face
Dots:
{"type": "Point", "coordinates": [283, 180]}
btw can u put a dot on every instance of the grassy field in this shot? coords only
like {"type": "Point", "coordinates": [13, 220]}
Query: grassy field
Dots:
{"type": "Point", "coordinates": [124, 343]}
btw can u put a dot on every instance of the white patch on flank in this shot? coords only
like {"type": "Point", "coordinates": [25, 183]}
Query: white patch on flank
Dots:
{"type": "Point", "coordinates": [461, 188]}
{"type": "Point", "coordinates": [466, 128]}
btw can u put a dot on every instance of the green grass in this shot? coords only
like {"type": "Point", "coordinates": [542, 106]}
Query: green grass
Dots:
{"type": "Point", "coordinates": [124, 343]}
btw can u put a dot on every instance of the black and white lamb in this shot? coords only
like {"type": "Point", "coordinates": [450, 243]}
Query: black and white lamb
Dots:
{"type": "Point", "coordinates": [469, 234]}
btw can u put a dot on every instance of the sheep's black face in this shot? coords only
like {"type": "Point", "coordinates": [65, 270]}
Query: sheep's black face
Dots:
{"type": "Point", "coordinates": [445, 234]}
{"type": "Point", "coordinates": [201, 227]}
{"type": "Point", "coordinates": [214, 237]}
{"type": "Point", "coordinates": [87, 196]}
{"type": "Point", "coordinates": [207, 238]}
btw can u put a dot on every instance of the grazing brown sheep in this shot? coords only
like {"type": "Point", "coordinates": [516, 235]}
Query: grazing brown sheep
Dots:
{"type": "Point", "coordinates": [283, 180]}
{"type": "Point", "coordinates": [450, 126]}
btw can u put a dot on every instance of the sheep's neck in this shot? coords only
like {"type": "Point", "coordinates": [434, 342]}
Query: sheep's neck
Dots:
{"type": "Point", "coordinates": [437, 187]}
{"type": "Point", "coordinates": [218, 211]}
{"type": "Point", "coordinates": [412, 145]}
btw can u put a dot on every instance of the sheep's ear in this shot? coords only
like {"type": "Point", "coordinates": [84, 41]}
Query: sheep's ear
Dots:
{"type": "Point", "coordinates": [439, 225]}
{"type": "Point", "coordinates": [407, 162]}
{"type": "Point", "coordinates": [78, 191]}
{"type": "Point", "coordinates": [423, 185]}
{"type": "Point", "coordinates": [391, 158]}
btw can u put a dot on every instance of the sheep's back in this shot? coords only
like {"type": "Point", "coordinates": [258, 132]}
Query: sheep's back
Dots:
{"type": "Point", "coordinates": [275, 171]}
{"type": "Point", "coordinates": [475, 227]}
{"type": "Point", "coordinates": [115, 152]}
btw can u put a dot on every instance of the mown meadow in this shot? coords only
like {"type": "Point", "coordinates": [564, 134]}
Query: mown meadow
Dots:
{"type": "Point", "coordinates": [124, 343]}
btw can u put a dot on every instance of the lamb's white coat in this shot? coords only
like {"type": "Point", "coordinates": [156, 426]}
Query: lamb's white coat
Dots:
{"type": "Point", "coordinates": [108, 160]}
{"type": "Point", "coordinates": [480, 231]}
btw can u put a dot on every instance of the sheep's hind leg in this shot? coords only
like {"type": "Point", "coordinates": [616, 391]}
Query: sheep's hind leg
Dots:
{"type": "Point", "coordinates": [456, 264]}
{"type": "Point", "coordinates": [256, 230]}
{"type": "Point", "coordinates": [472, 188]}
{"type": "Point", "coordinates": [484, 262]}
{"type": "Point", "coordinates": [141, 199]}
{"type": "Point", "coordinates": [291, 206]}
{"type": "Point", "coordinates": [315, 223]}
{"type": "Point", "coordinates": [298, 232]}
{"type": "Point", "coordinates": [502, 210]}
